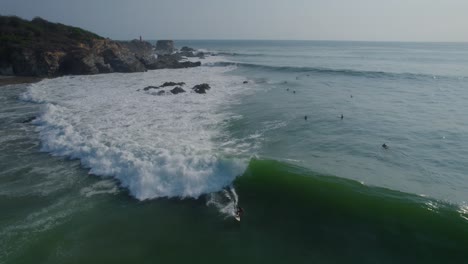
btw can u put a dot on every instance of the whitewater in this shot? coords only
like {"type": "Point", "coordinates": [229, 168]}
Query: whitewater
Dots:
{"type": "Point", "coordinates": [156, 146]}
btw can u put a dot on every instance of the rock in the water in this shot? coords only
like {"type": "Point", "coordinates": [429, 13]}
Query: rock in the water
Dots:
{"type": "Point", "coordinates": [245, 82]}
{"type": "Point", "coordinates": [150, 87]}
{"type": "Point", "coordinates": [177, 90]}
{"type": "Point", "coordinates": [164, 47]}
{"type": "Point", "coordinates": [192, 54]}
{"type": "Point", "coordinates": [187, 54]}
{"type": "Point", "coordinates": [172, 62]}
{"type": "Point", "coordinates": [201, 88]}
{"type": "Point", "coordinates": [188, 64]}
{"type": "Point", "coordinates": [172, 84]}
{"type": "Point", "coordinates": [187, 49]}
{"type": "Point", "coordinates": [161, 93]}
{"type": "Point", "coordinates": [28, 120]}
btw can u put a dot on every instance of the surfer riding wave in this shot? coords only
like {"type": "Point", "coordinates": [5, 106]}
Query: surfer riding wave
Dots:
{"type": "Point", "coordinates": [227, 203]}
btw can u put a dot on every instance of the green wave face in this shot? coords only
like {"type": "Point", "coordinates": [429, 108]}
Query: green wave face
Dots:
{"type": "Point", "coordinates": [314, 217]}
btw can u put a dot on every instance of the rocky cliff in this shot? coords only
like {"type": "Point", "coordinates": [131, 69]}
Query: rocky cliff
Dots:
{"type": "Point", "coordinates": [165, 47]}
{"type": "Point", "coordinates": [42, 48]}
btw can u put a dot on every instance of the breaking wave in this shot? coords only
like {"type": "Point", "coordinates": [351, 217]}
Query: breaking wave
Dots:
{"type": "Point", "coordinates": [156, 146]}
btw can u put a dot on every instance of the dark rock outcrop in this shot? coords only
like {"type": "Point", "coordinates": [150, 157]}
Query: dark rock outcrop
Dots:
{"type": "Point", "coordinates": [172, 84]}
{"type": "Point", "coordinates": [143, 51]}
{"type": "Point", "coordinates": [189, 64]}
{"type": "Point", "coordinates": [166, 84]}
{"type": "Point", "coordinates": [99, 56]}
{"type": "Point", "coordinates": [165, 47]}
{"type": "Point", "coordinates": [172, 62]}
{"type": "Point", "coordinates": [28, 120]}
{"type": "Point", "coordinates": [177, 90]}
{"type": "Point", "coordinates": [201, 88]}
{"type": "Point", "coordinates": [150, 87]}
{"type": "Point", "coordinates": [44, 49]}
{"type": "Point", "coordinates": [186, 49]}
{"type": "Point", "coordinates": [190, 54]}
{"type": "Point", "coordinates": [200, 55]}
{"type": "Point", "coordinates": [166, 60]}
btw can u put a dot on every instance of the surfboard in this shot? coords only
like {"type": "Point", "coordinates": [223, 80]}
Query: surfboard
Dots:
{"type": "Point", "coordinates": [237, 217]}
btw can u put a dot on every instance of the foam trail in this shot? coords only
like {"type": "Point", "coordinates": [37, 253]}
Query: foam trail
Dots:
{"type": "Point", "coordinates": [236, 197]}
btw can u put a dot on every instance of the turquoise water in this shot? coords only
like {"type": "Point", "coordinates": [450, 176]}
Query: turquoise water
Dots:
{"type": "Point", "coordinates": [82, 182]}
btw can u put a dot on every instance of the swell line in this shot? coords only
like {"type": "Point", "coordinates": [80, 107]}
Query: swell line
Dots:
{"type": "Point", "coordinates": [347, 72]}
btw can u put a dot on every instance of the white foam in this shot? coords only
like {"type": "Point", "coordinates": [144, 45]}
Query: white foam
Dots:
{"type": "Point", "coordinates": [463, 210]}
{"type": "Point", "coordinates": [101, 187]}
{"type": "Point", "coordinates": [156, 146]}
{"type": "Point", "coordinates": [14, 237]}
{"type": "Point", "coordinates": [208, 59]}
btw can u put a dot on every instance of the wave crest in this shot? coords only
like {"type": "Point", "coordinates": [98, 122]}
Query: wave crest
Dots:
{"type": "Point", "coordinates": [319, 70]}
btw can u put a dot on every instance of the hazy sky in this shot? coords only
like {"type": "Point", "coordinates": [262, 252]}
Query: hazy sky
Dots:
{"type": "Point", "coordinates": [385, 20]}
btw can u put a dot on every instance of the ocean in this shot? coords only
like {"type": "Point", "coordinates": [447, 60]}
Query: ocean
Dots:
{"type": "Point", "coordinates": [292, 131]}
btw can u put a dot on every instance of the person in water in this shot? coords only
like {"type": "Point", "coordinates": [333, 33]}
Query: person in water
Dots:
{"type": "Point", "coordinates": [385, 146]}
{"type": "Point", "coordinates": [239, 211]}
{"type": "Point", "coordinates": [342, 116]}
{"type": "Point", "coordinates": [305, 117]}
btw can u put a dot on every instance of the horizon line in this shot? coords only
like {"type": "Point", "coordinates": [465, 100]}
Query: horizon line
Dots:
{"type": "Point", "coordinates": [311, 40]}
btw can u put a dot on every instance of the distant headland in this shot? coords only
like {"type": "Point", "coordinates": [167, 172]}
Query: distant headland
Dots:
{"type": "Point", "coordinates": [44, 49]}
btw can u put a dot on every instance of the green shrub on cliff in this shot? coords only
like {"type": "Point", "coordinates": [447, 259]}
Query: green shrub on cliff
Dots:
{"type": "Point", "coordinates": [19, 33]}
